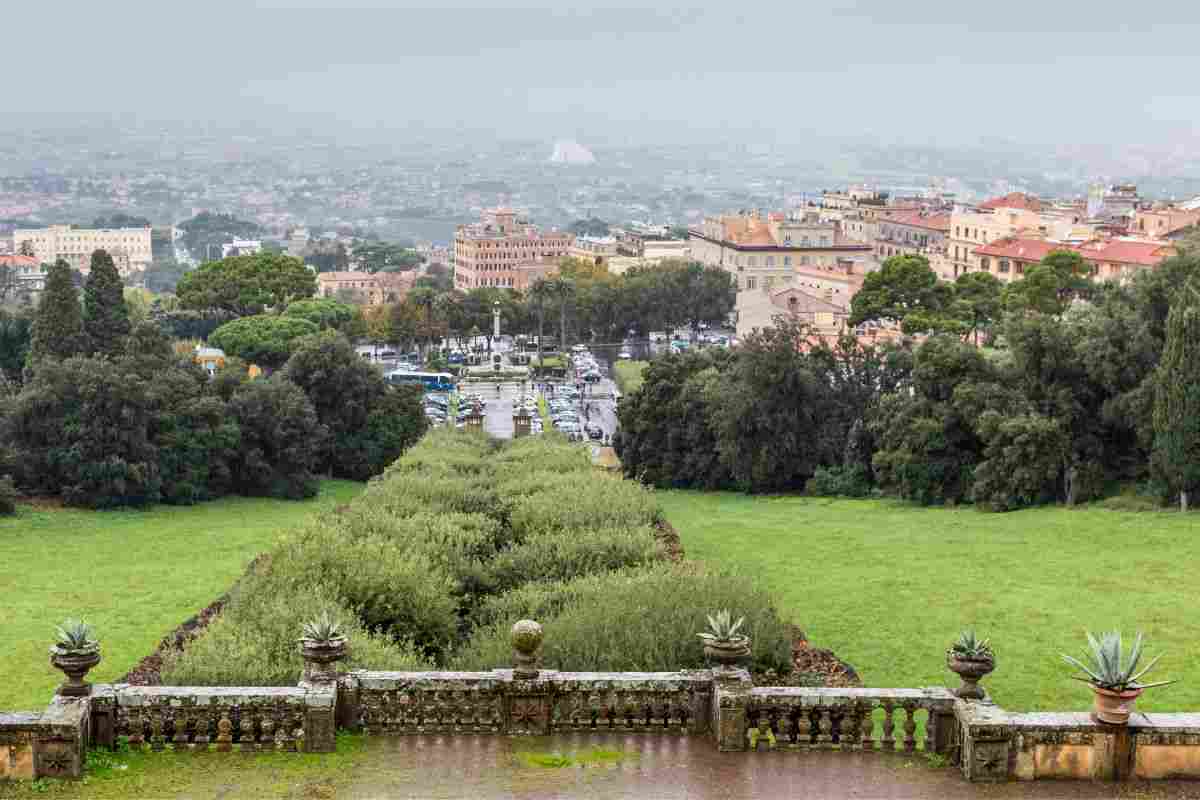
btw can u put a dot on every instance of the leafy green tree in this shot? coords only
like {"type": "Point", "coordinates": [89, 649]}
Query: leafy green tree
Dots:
{"type": "Point", "coordinates": [352, 401]}
{"type": "Point", "coordinates": [163, 275]}
{"type": "Point", "coordinates": [386, 257]}
{"type": "Point", "coordinates": [707, 294]}
{"type": "Point", "coordinates": [58, 325]}
{"type": "Point", "coordinates": [436, 277]}
{"type": "Point", "coordinates": [324, 312]}
{"type": "Point", "coordinates": [589, 227]}
{"type": "Point", "coordinates": [81, 430]}
{"type": "Point", "coordinates": [281, 439]}
{"type": "Point", "coordinates": [1176, 456]}
{"type": "Point", "coordinates": [204, 233]}
{"type": "Point", "coordinates": [16, 331]}
{"type": "Point", "coordinates": [247, 285]}
{"type": "Point", "coordinates": [266, 340]}
{"type": "Point", "coordinates": [977, 302]}
{"type": "Point", "coordinates": [105, 315]}
{"type": "Point", "coordinates": [1021, 460]}
{"type": "Point", "coordinates": [903, 285]}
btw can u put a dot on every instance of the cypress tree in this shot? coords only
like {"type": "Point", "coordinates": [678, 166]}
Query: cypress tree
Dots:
{"type": "Point", "coordinates": [58, 325]}
{"type": "Point", "coordinates": [1176, 455]}
{"type": "Point", "coordinates": [105, 316]}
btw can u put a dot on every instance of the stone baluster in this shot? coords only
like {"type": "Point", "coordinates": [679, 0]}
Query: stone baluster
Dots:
{"type": "Point", "coordinates": [866, 727]}
{"type": "Point", "coordinates": [930, 731]}
{"type": "Point", "coordinates": [157, 740]}
{"type": "Point", "coordinates": [848, 735]}
{"type": "Point", "coordinates": [246, 743]}
{"type": "Point", "coordinates": [224, 732]}
{"type": "Point", "coordinates": [202, 718]}
{"type": "Point", "coordinates": [888, 742]}
{"type": "Point", "coordinates": [137, 730]}
{"type": "Point", "coordinates": [804, 727]}
{"type": "Point", "coordinates": [910, 727]}
{"type": "Point", "coordinates": [266, 729]}
{"type": "Point", "coordinates": [180, 740]}
{"type": "Point", "coordinates": [824, 727]}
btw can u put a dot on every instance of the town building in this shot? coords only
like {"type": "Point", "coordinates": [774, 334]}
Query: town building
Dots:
{"type": "Point", "coordinates": [757, 310]}
{"type": "Point", "coordinates": [241, 247]}
{"type": "Point", "coordinates": [911, 233]}
{"type": "Point", "coordinates": [1110, 259]}
{"type": "Point", "coordinates": [1166, 222]}
{"type": "Point", "coordinates": [1013, 215]}
{"type": "Point", "coordinates": [130, 248]}
{"type": "Point", "coordinates": [30, 273]}
{"type": "Point", "coordinates": [777, 251]}
{"type": "Point", "coordinates": [503, 250]}
{"type": "Point", "coordinates": [366, 288]}
{"type": "Point", "coordinates": [596, 250]}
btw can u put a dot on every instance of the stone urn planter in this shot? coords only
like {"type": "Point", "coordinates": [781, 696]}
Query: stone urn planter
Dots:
{"type": "Point", "coordinates": [1113, 708]}
{"type": "Point", "coordinates": [971, 670]}
{"type": "Point", "coordinates": [75, 664]}
{"type": "Point", "coordinates": [728, 653]}
{"type": "Point", "coordinates": [321, 656]}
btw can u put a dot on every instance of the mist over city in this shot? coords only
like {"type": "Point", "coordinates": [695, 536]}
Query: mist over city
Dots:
{"type": "Point", "coordinates": [587, 400]}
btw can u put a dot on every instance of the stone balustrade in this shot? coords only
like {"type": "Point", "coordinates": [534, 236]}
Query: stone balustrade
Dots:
{"type": "Point", "coordinates": [986, 742]}
{"type": "Point", "coordinates": [498, 702]}
{"type": "Point", "coordinates": [201, 718]}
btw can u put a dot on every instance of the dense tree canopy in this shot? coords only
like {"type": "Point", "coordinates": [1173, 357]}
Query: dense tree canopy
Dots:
{"type": "Point", "coordinates": [266, 339]}
{"type": "Point", "coordinates": [58, 325]}
{"type": "Point", "coordinates": [246, 285]}
{"type": "Point", "coordinates": [904, 285]}
{"type": "Point", "coordinates": [324, 312]}
{"type": "Point", "coordinates": [204, 233]}
{"type": "Point", "coordinates": [385, 257]}
{"type": "Point", "coordinates": [105, 315]}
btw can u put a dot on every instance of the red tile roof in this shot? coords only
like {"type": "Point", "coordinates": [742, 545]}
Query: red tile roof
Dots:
{"type": "Point", "coordinates": [1014, 200]}
{"type": "Point", "coordinates": [1020, 249]}
{"type": "Point", "coordinates": [918, 219]}
{"type": "Point", "coordinates": [1146, 254]}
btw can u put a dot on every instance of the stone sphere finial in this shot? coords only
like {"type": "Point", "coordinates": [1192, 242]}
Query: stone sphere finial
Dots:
{"type": "Point", "coordinates": [526, 640]}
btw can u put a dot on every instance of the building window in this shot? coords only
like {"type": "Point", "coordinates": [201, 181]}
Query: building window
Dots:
{"type": "Point", "coordinates": [985, 263]}
{"type": "Point", "coordinates": [787, 261]}
{"type": "Point", "coordinates": [751, 283]}
{"type": "Point", "coordinates": [1004, 265]}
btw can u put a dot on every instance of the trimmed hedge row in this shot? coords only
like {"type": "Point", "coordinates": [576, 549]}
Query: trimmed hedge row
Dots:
{"type": "Point", "coordinates": [433, 563]}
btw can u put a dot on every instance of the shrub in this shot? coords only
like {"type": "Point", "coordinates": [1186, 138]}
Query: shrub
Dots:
{"type": "Point", "coordinates": [253, 641]}
{"type": "Point", "coordinates": [565, 555]}
{"type": "Point", "coordinates": [571, 503]}
{"type": "Point", "coordinates": [842, 481]}
{"type": "Point", "coordinates": [402, 594]}
{"type": "Point", "coordinates": [633, 620]}
{"type": "Point", "coordinates": [8, 495]}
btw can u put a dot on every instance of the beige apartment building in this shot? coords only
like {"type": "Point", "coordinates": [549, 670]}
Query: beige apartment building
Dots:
{"type": "Point", "coordinates": [777, 251]}
{"type": "Point", "coordinates": [1164, 223]}
{"type": "Point", "coordinates": [366, 288]}
{"type": "Point", "coordinates": [129, 247]}
{"type": "Point", "coordinates": [1110, 259]}
{"type": "Point", "coordinates": [502, 250]}
{"type": "Point", "coordinates": [598, 251]}
{"type": "Point", "coordinates": [1014, 215]}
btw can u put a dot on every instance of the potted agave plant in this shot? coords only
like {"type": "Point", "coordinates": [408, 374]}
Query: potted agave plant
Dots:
{"type": "Point", "coordinates": [75, 651]}
{"type": "Point", "coordinates": [1114, 679]}
{"type": "Point", "coordinates": [971, 658]}
{"type": "Point", "coordinates": [723, 644]}
{"type": "Point", "coordinates": [321, 644]}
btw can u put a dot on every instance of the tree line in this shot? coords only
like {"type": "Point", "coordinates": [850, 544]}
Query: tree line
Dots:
{"type": "Point", "coordinates": [1083, 388]}
{"type": "Point", "coordinates": [113, 413]}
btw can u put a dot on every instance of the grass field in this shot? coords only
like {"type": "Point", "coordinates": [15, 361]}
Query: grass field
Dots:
{"type": "Point", "coordinates": [628, 375]}
{"type": "Point", "coordinates": [887, 586]}
{"type": "Point", "coordinates": [134, 575]}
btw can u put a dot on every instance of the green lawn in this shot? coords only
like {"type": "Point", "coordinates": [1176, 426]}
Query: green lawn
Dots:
{"type": "Point", "coordinates": [134, 575]}
{"type": "Point", "coordinates": [887, 586]}
{"type": "Point", "coordinates": [628, 375]}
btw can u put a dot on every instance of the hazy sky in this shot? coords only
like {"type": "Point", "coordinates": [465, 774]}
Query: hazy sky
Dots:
{"type": "Point", "coordinates": [925, 71]}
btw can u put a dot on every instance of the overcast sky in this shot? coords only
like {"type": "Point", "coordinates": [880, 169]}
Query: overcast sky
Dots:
{"type": "Point", "coordinates": [1097, 72]}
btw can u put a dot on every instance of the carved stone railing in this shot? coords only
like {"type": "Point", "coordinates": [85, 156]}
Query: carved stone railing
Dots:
{"type": "Point", "coordinates": [246, 719]}
{"type": "Point", "coordinates": [999, 745]}
{"type": "Point", "coordinates": [803, 718]}
{"type": "Point", "coordinates": [498, 703]}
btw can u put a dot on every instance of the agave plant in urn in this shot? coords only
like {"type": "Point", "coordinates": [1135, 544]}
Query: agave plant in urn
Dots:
{"type": "Point", "coordinates": [322, 645]}
{"type": "Point", "coordinates": [971, 658]}
{"type": "Point", "coordinates": [723, 645]}
{"type": "Point", "coordinates": [75, 652]}
{"type": "Point", "coordinates": [1114, 677]}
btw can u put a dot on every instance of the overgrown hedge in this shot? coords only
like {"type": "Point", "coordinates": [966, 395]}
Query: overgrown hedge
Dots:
{"type": "Point", "coordinates": [459, 538]}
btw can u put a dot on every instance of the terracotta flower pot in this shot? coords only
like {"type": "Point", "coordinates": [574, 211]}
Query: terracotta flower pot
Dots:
{"type": "Point", "coordinates": [727, 654]}
{"type": "Point", "coordinates": [1114, 708]}
{"type": "Point", "coordinates": [971, 670]}
{"type": "Point", "coordinates": [75, 665]}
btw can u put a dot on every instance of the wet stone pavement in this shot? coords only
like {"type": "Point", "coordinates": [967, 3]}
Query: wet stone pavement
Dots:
{"type": "Point", "coordinates": [670, 768]}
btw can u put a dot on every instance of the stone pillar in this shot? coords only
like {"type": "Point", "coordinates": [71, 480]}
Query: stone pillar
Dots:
{"type": "Point", "coordinates": [104, 716]}
{"type": "Point", "coordinates": [730, 699]}
{"type": "Point", "coordinates": [347, 711]}
{"type": "Point", "coordinates": [986, 745]}
{"type": "Point", "coordinates": [526, 639]}
{"type": "Point", "coordinates": [320, 724]}
{"type": "Point", "coordinates": [527, 701]}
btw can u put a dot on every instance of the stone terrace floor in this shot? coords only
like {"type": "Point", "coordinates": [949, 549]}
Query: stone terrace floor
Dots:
{"type": "Point", "coordinates": [614, 766]}
{"type": "Point", "coordinates": [683, 767]}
